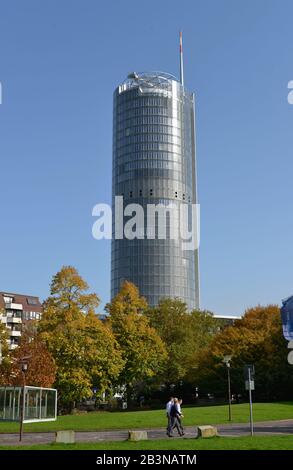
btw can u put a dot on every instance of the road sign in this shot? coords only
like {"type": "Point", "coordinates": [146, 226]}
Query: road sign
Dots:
{"type": "Point", "coordinates": [249, 386]}
{"type": "Point", "coordinates": [249, 372]}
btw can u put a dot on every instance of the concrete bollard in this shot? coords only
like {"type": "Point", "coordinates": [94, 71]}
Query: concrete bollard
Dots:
{"type": "Point", "coordinates": [65, 437]}
{"type": "Point", "coordinates": [207, 431]}
{"type": "Point", "coordinates": [137, 435]}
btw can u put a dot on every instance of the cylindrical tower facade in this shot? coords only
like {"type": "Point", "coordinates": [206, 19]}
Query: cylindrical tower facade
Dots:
{"type": "Point", "coordinates": [154, 163]}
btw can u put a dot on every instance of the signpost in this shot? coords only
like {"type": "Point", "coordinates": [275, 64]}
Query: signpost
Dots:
{"type": "Point", "coordinates": [227, 361]}
{"type": "Point", "coordinates": [249, 385]}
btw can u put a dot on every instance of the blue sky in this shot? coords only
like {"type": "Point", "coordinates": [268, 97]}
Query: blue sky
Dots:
{"type": "Point", "coordinates": [59, 64]}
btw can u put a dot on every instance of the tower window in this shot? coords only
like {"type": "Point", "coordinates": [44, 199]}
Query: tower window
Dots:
{"type": "Point", "coordinates": [151, 192]}
{"type": "Point", "coordinates": [140, 192]}
{"type": "Point", "coordinates": [130, 194]}
{"type": "Point", "coordinates": [176, 194]}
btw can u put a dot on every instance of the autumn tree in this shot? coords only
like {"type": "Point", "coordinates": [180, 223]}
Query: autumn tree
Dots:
{"type": "Point", "coordinates": [184, 334]}
{"type": "Point", "coordinates": [256, 338]}
{"type": "Point", "coordinates": [41, 371]}
{"type": "Point", "coordinates": [143, 351]}
{"type": "Point", "coordinates": [85, 350]}
{"type": "Point", "coordinates": [41, 366]}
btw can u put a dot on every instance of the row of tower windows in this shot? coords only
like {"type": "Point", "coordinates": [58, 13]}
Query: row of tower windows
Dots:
{"type": "Point", "coordinates": [151, 155]}
{"type": "Point", "coordinates": [136, 159]}
{"type": "Point", "coordinates": [148, 137]}
{"type": "Point", "coordinates": [138, 164]}
{"type": "Point", "coordinates": [128, 153]}
{"type": "Point", "coordinates": [131, 122]}
{"type": "Point", "coordinates": [175, 176]}
{"type": "Point", "coordinates": [138, 104]}
{"type": "Point", "coordinates": [125, 101]}
{"type": "Point", "coordinates": [185, 197]}
{"type": "Point", "coordinates": [151, 111]}
{"type": "Point", "coordinates": [129, 148]}
{"type": "Point", "coordinates": [148, 129]}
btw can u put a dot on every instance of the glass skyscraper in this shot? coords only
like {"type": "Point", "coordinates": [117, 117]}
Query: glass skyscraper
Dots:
{"type": "Point", "coordinates": [154, 162]}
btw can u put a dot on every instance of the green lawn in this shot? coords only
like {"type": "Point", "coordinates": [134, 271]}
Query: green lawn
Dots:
{"type": "Point", "coordinates": [150, 419]}
{"type": "Point", "coordinates": [217, 443]}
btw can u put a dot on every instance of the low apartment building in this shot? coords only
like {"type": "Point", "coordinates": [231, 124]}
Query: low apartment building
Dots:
{"type": "Point", "coordinates": [15, 310]}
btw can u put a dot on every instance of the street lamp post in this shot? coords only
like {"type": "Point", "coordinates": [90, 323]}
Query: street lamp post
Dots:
{"type": "Point", "coordinates": [227, 361]}
{"type": "Point", "coordinates": [23, 370]}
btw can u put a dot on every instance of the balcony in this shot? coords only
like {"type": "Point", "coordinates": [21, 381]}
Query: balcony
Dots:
{"type": "Point", "coordinates": [15, 333]}
{"type": "Point", "coordinates": [14, 320]}
{"type": "Point", "coordinates": [13, 306]}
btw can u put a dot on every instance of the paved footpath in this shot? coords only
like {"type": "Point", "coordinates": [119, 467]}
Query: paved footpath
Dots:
{"type": "Point", "coordinates": [283, 427]}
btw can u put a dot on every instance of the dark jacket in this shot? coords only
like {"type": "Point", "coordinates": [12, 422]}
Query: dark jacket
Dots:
{"type": "Point", "coordinates": [174, 412]}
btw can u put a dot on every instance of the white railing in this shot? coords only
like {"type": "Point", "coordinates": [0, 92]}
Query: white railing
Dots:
{"type": "Point", "coordinates": [13, 306]}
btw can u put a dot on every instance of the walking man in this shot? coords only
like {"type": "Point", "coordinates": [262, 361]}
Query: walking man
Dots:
{"type": "Point", "coordinates": [168, 411]}
{"type": "Point", "coordinates": [180, 416]}
{"type": "Point", "coordinates": [174, 413]}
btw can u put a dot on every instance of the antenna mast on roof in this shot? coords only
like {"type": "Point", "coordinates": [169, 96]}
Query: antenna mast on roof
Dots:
{"type": "Point", "coordinates": [181, 59]}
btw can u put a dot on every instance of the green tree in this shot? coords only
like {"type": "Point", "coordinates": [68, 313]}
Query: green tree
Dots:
{"type": "Point", "coordinates": [85, 350]}
{"type": "Point", "coordinates": [204, 327]}
{"type": "Point", "coordinates": [143, 350]}
{"type": "Point", "coordinates": [256, 338]}
{"type": "Point", "coordinates": [184, 334]}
